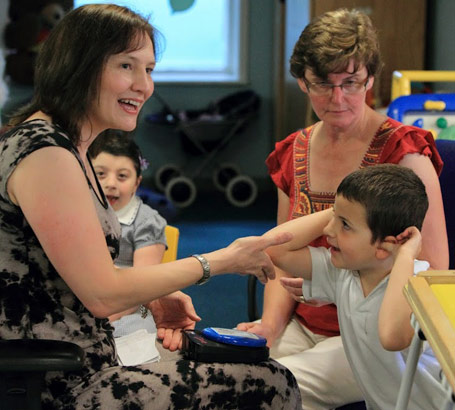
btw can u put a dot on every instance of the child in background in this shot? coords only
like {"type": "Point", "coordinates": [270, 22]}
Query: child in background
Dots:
{"type": "Point", "coordinates": [118, 164]}
{"type": "Point", "coordinates": [374, 238]}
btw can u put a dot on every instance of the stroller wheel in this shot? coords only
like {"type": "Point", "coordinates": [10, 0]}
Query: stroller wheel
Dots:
{"type": "Point", "coordinates": [223, 174]}
{"type": "Point", "coordinates": [181, 191]}
{"type": "Point", "coordinates": [241, 191]}
{"type": "Point", "coordinates": [164, 174]}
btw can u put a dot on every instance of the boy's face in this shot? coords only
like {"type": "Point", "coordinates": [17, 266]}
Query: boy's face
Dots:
{"type": "Point", "coordinates": [117, 177]}
{"type": "Point", "coordinates": [350, 237]}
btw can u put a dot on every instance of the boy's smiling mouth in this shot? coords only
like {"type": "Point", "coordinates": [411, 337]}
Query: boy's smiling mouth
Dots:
{"type": "Point", "coordinates": [335, 248]}
{"type": "Point", "coordinates": [112, 199]}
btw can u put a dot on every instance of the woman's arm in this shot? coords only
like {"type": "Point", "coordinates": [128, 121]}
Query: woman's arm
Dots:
{"type": "Point", "coordinates": [148, 255]}
{"type": "Point", "coordinates": [435, 248]}
{"type": "Point", "coordinates": [51, 189]}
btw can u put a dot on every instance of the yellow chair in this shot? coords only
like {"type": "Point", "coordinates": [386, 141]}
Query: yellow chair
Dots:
{"type": "Point", "coordinates": [172, 238]}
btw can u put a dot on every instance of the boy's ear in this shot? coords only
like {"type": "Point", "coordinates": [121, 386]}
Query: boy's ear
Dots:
{"type": "Point", "coordinates": [386, 247]}
{"type": "Point", "coordinates": [138, 181]}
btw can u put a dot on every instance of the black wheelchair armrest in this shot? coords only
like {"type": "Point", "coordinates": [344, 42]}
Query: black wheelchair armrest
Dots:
{"type": "Point", "coordinates": [23, 366]}
{"type": "Point", "coordinates": [39, 355]}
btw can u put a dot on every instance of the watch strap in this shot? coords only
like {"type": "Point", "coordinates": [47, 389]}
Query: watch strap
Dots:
{"type": "Point", "coordinates": [205, 269]}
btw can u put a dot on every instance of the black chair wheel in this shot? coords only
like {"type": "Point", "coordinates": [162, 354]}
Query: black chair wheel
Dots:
{"type": "Point", "coordinates": [165, 174]}
{"type": "Point", "coordinates": [181, 191]}
{"type": "Point", "coordinates": [223, 174]}
{"type": "Point", "coordinates": [241, 191]}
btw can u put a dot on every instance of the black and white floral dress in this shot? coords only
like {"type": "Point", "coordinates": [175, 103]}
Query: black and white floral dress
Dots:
{"type": "Point", "coordinates": [36, 303]}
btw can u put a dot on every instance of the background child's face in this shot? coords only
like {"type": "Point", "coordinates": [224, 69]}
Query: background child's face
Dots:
{"type": "Point", "coordinates": [117, 177]}
{"type": "Point", "coordinates": [350, 237]}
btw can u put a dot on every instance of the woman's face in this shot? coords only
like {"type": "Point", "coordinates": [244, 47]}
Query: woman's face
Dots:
{"type": "Point", "coordinates": [339, 109]}
{"type": "Point", "coordinates": [126, 84]}
{"type": "Point", "coordinates": [118, 178]}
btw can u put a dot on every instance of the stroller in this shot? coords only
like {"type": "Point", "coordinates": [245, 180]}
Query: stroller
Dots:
{"type": "Point", "coordinates": [205, 133]}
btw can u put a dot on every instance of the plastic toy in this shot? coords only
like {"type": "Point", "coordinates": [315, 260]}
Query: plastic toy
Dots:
{"type": "Point", "coordinates": [434, 112]}
{"type": "Point", "coordinates": [401, 80]}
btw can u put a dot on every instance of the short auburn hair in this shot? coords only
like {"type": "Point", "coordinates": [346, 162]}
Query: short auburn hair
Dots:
{"type": "Point", "coordinates": [332, 40]}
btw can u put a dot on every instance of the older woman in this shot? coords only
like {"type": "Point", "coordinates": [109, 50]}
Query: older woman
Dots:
{"type": "Point", "coordinates": [59, 235]}
{"type": "Point", "coordinates": [335, 62]}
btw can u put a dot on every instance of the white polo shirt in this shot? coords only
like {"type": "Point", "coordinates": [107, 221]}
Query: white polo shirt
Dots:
{"type": "Point", "coordinates": [378, 372]}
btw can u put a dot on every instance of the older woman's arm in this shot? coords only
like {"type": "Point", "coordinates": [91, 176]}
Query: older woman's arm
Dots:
{"type": "Point", "coordinates": [435, 249]}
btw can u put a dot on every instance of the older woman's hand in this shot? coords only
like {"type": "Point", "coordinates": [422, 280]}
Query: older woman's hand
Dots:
{"type": "Point", "coordinates": [293, 286]}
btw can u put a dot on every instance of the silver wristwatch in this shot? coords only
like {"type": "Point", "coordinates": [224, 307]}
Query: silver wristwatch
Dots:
{"type": "Point", "coordinates": [205, 269]}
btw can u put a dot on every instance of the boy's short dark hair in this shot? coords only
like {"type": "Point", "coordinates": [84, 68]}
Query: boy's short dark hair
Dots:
{"type": "Point", "coordinates": [394, 198]}
{"type": "Point", "coordinates": [118, 143]}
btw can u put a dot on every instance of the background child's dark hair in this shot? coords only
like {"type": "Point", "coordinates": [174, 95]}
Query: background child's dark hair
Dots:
{"type": "Point", "coordinates": [394, 198]}
{"type": "Point", "coordinates": [118, 143]}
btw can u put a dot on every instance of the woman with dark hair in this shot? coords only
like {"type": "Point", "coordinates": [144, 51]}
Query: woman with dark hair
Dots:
{"type": "Point", "coordinates": [335, 62]}
{"type": "Point", "coordinates": [59, 235]}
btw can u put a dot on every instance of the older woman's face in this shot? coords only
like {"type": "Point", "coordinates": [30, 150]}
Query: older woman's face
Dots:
{"type": "Point", "coordinates": [338, 108]}
{"type": "Point", "coordinates": [126, 84]}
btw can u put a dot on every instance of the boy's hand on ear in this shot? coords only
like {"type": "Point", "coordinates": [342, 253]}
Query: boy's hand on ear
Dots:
{"type": "Point", "coordinates": [390, 244]}
{"type": "Point", "coordinates": [410, 241]}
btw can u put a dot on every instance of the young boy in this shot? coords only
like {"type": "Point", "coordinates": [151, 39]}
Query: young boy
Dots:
{"type": "Point", "coordinates": [373, 231]}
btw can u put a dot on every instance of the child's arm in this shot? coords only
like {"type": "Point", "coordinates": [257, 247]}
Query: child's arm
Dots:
{"type": "Point", "coordinates": [294, 256]}
{"type": "Point", "coordinates": [149, 255]}
{"type": "Point", "coordinates": [395, 330]}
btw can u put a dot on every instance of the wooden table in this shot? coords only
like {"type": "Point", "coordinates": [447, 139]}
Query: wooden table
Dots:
{"type": "Point", "coordinates": [431, 295]}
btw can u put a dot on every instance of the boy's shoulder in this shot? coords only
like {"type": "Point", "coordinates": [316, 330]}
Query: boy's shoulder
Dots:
{"type": "Point", "coordinates": [146, 211]}
{"type": "Point", "coordinates": [322, 262]}
{"type": "Point", "coordinates": [147, 217]}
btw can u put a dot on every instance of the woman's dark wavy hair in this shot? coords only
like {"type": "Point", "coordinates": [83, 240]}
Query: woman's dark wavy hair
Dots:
{"type": "Point", "coordinates": [69, 66]}
{"type": "Point", "coordinates": [332, 40]}
{"type": "Point", "coordinates": [393, 196]}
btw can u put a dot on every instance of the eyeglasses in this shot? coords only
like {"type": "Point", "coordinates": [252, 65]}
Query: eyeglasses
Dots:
{"type": "Point", "coordinates": [348, 87]}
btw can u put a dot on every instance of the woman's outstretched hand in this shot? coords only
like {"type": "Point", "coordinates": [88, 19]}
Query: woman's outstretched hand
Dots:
{"type": "Point", "coordinates": [173, 313]}
{"type": "Point", "coordinates": [248, 256]}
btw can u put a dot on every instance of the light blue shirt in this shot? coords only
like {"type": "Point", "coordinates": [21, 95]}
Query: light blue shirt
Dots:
{"type": "Point", "coordinates": [141, 226]}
